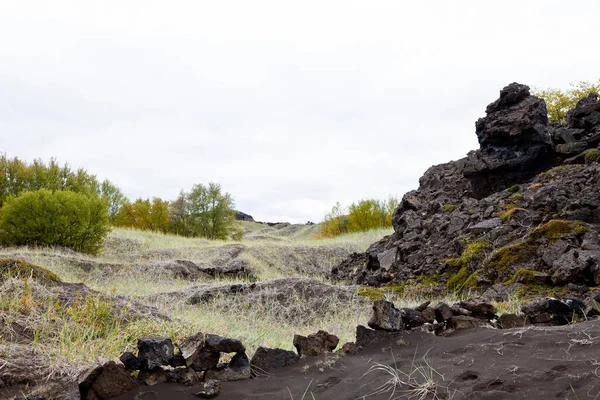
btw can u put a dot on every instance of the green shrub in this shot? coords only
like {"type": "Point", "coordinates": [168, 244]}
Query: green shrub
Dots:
{"type": "Point", "coordinates": [360, 217]}
{"type": "Point", "coordinates": [558, 101]}
{"type": "Point", "coordinates": [63, 218]}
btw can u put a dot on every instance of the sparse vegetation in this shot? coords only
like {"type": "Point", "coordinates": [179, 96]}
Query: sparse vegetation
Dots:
{"type": "Point", "coordinates": [449, 207]}
{"type": "Point", "coordinates": [363, 216]}
{"type": "Point", "coordinates": [558, 101]}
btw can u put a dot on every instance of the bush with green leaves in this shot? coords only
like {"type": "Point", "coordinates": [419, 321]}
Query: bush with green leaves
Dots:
{"type": "Point", "coordinates": [359, 217]}
{"type": "Point", "coordinates": [559, 101]}
{"type": "Point", "coordinates": [59, 218]}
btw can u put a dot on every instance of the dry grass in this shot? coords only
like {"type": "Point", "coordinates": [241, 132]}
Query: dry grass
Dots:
{"type": "Point", "coordinates": [64, 338]}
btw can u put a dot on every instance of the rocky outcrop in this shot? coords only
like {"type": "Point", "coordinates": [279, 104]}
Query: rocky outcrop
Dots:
{"type": "Point", "coordinates": [509, 213]}
{"type": "Point", "coordinates": [514, 140]}
{"type": "Point", "coordinates": [581, 132]}
{"type": "Point", "coordinates": [240, 216]}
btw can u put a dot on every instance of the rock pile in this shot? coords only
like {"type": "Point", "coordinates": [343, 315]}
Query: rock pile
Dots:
{"type": "Point", "coordinates": [195, 361]}
{"type": "Point", "coordinates": [523, 208]}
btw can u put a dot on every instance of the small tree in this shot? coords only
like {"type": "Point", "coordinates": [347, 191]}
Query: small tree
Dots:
{"type": "Point", "coordinates": [211, 212]}
{"type": "Point", "coordinates": [558, 102]}
{"type": "Point", "coordinates": [46, 218]}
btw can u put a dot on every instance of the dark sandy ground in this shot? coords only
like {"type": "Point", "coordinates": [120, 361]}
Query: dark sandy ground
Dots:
{"type": "Point", "coordinates": [532, 363]}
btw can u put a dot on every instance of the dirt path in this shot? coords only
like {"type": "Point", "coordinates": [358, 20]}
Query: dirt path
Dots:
{"type": "Point", "coordinates": [534, 363]}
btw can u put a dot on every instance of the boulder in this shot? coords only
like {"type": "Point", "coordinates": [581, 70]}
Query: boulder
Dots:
{"type": "Point", "coordinates": [479, 308]}
{"type": "Point", "coordinates": [205, 360]}
{"type": "Point", "coordinates": [315, 344]}
{"type": "Point", "coordinates": [130, 361]}
{"type": "Point", "coordinates": [508, 321]}
{"type": "Point", "coordinates": [443, 312]}
{"type": "Point", "coordinates": [386, 317]}
{"type": "Point", "coordinates": [428, 315]}
{"type": "Point", "coordinates": [222, 344]}
{"type": "Point", "coordinates": [106, 382]}
{"type": "Point", "coordinates": [411, 318]}
{"type": "Point", "coordinates": [237, 369]}
{"type": "Point", "coordinates": [266, 359]}
{"type": "Point", "coordinates": [366, 336]}
{"type": "Point", "coordinates": [154, 352]}
{"type": "Point", "coordinates": [190, 348]}
{"type": "Point", "coordinates": [514, 142]}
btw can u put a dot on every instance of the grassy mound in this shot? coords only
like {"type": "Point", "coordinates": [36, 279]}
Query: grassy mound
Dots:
{"type": "Point", "coordinates": [14, 268]}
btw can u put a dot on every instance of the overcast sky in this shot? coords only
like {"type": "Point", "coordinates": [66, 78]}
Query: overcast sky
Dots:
{"type": "Point", "coordinates": [289, 105]}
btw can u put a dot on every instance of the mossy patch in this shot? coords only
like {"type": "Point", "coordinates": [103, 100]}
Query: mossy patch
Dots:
{"type": "Point", "coordinates": [449, 207]}
{"type": "Point", "coordinates": [508, 214]}
{"type": "Point", "coordinates": [555, 229]}
{"type": "Point", "coordinates": [381, 293]}
{"type": "Point", "coordinates": [514, 188]}
{"type": "Point", "coordinates": [503, 259]}
{"type": "Point", "coordinates": [522, 276]}
{"type": "Point", "coordinates": [473, 250]}
{"type": "Point", "coordinates": [14, 268]}
{"type": "Point", "coordinates": [592, 156]}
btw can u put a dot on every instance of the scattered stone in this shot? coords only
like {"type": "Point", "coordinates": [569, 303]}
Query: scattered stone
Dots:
{"type": "Point", "coordinates": [220, 344]}
{"type": "Point", "coordinates": [209, 389]}
{"type": "Point", "coordinates": [237, 369]}
{"type": "Point", "coordinates": [177, 361]}
{"type": "Point", "coordinates": [350, 349]}
{"type": "Point", "coordinates": [463, 322]}
{"type": "Point", "coordinates": [190, 348]}
{"type": "Point", "coordinates": [411, 318]}
{"type": "Point", "coordinates": [315, 344]}
{"type": "Point", "coordinates": [130, 361]}
{"type": "Point", "coordinates": [205, 360]}
{"type": "Point", "coordinates": [183, 376]}
{"type": "Point", "coordinates": [428, 315]}
{"type": "Point", "coordinates": [422, 306]}
{"type": "Point", "coordinates": [106, 381]}
{"type": "Point", "coordinates": [443, 312]}
{"type": "Point", "coordinates": [386, 317]}
{"type": "Point", "coordinates": [508, 321]}
{"type": "Point", "coordinates": [479, 308]}
{"type": "Point", "coordinates": [266, 359]}
{"type": "Point", "coordinates": [154, 352]}
{"type": "Point", "coordinates": [366, 336]}
{"type": "Point", "coordinates": [153, 377]}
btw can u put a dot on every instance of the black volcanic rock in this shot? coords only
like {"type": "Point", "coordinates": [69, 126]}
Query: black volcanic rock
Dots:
{"type": "Point", "coordinates": [508, 212]}
{"type": "Point", "coordinates": [514, 139]}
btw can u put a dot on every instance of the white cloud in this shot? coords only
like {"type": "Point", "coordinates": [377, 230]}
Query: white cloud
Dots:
{"type": "Point", "coordinates": [291, 106]}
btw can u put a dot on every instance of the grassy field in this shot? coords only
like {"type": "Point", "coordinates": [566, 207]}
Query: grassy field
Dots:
{"type": "Point", "coordinates": [67, 332]}
{"type": "Point", "coordinates": [55, 331]}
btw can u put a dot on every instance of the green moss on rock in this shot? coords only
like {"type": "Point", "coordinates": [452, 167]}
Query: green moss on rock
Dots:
{"type": "Point", "coordinates": [14, 268]}
{"type": "Point", "coordinates": [473, 250]}
{"type": "Point", "coordinates": [508, 214]}
{"type": "Point", "coordinates": [521, 276]}
{"type": "Point", "coordinates": [449, 207]}
{"type": "Point", "coordinates": [514, 188]}
{"type": "Point", "coordinates": [556, 229]}
{"type": "Point", "coordinates": [592, 156]}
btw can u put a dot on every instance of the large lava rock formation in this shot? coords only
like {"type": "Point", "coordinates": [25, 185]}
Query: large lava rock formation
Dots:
{"type": "Point", "coordinates": [522, 208]}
